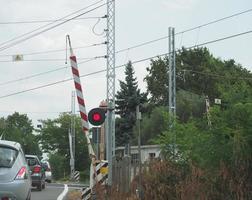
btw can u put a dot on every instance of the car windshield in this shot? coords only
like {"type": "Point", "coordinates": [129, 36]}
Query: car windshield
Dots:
{"type": "Point", "coordinates": [7, 156]}
{"type": "Point", "coordinates": [31, 161]}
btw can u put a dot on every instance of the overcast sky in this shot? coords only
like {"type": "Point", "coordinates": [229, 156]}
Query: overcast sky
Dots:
{"type": "Point", "coordinates": [137, 22]}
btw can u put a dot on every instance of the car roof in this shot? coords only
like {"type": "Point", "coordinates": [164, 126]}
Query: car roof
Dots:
{"type": "Point", "coordinates": [12, 144]}
{"type": "Point", "coordinates": [31, 156]}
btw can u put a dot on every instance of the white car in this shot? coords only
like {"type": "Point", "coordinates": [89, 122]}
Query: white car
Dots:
{"type": "Point", "coordinates": [15, 180]}
{"type": "Point", "coordinates": [48, 172]}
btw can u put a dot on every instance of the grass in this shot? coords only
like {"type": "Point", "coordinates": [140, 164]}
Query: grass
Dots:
{"type": "Point", "coordinates": [74, 195]}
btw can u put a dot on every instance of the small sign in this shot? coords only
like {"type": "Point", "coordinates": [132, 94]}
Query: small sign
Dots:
{"type": "Point", "coordinates": [104, 170]}
{"type": "Point", "coordinates": [217, 101]}
{"type": "Point", "coordinates": [77, 175]}
{"type": "Point", "coordinates": [17, 58]}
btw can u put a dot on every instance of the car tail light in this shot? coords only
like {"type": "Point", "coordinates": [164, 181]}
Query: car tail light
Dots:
{"type": "Point", "coordinates": [36, 169]}
{"type": "Point", "coordinates": [21, 174]}
{"type": "Point", "coordinates": [5, 198]}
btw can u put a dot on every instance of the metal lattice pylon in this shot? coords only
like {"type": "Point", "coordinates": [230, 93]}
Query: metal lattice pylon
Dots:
{"type": "Point", "coordinates": [110, 120]}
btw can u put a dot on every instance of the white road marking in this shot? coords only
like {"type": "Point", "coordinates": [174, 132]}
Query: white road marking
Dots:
{"type": "Point", "coordinates": [63, 194]}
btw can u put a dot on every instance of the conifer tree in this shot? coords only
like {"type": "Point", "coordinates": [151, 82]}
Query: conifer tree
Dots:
{"type": "Point", "coordinates": [127, 98]}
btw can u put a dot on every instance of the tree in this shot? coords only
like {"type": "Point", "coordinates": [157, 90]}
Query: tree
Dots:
{"type": "Point", "coordinates": [152, 126]}
{"type": "Point", "coordinates": [157, 81]}
{"type": "Point", "coordinates": [216, 155]}
{"type": "Point", "coordinates": [127, 98]}
{"type": "Point", "coordinates": [54, 140]}
{"type": "Point", "coordinates": [18, 127]}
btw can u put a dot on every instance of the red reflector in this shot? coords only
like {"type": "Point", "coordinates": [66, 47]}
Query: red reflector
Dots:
{"type": "Point", "coordinates": [96, 117]}
{"type": "Point", "coordinates": [36, 169]}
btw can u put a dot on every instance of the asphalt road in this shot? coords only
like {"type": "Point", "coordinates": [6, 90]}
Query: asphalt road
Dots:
{"type": "Point", "coordinates": [51, 192]}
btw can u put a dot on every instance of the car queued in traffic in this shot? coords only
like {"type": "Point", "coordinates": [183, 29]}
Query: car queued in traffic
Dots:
{"type": "Point", "coordinates": [20, 172]}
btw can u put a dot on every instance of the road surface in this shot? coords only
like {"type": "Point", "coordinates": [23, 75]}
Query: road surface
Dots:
{"type": "Point", "coordinates": [51, 192]}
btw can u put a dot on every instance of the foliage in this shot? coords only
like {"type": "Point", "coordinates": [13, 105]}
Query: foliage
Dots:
{"type": "Point", "coordinates": [55, 141]}
{"type": "Point", "coordinates": [18, 127]}
{"type": "Point", "coordinates": [198, 74]}
{"type": "Point", "coordinates": [169, 180]}
{"type": "Point", "coordinates": [127, 98]}
{"type": "Point", "coordinates": [207, 161]}
{"type": "Point", "coordinates": [57, 162]}
{"type": "Point", "coordinates": [153, 125]}
{"type": "Point", "coordinates": [157, 81]}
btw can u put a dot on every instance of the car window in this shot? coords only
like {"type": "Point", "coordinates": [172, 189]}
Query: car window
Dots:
{"type": "Point", "coordinates": [32, 161]}
{"type": "Point", "coordinates": [7, 156]}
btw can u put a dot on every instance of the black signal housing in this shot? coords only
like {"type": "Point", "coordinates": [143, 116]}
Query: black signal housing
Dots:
{"type": "Point", "coordinates": [96, 116]}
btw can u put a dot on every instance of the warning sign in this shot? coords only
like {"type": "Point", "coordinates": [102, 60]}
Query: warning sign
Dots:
{"type": "Point", "coordinates": [104, 170]}
{"type": "Point", "coordinates": [18, 57]}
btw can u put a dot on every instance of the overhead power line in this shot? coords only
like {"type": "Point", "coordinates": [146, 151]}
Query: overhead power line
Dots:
{"type": "Point", "coordinates": [47, 72]}
{"type": "Point", "coordinates": [48, 59]}
{"type": "Point", "coordinates": [33, 112]}
{"type": "Point", "coordinates": [53, 51]}
{"type": "Point", "coordinates": [187, 30]}
{"type": "Point", "coordinates": [47, 29]}
{"type": "Point", "coordinates": [216, 75]}
{"type": "Point", "coordinates": [134, 62]}
{"type": "Point", "coordinates": [141, 44]}
{"type": "Point", "coordinates": [43, 21]}
{"type": "Point", "coordinates": [61, 68]}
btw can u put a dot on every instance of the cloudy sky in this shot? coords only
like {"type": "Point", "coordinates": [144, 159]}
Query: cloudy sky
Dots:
{"type": "Point", "coordinates": [137, 22]}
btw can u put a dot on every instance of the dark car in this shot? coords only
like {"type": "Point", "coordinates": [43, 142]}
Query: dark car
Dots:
{"type": "Point", "coordinates": [37, 171]}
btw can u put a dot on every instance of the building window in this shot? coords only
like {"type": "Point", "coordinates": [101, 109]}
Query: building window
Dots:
{"type": "Point", "coordinates": [134, 158]}
{"type": "Point", "coordinates": [152, 155]}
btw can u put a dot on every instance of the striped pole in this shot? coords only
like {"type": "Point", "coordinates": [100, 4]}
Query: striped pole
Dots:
{"type": "Point", "coordinates": [84, 120]}
{"type": "Point", "coordinates": [81, 102]}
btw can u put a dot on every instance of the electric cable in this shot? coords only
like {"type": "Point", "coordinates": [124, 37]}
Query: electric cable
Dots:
{"type": "Point", "coordinates": [93, 29]}
{"type": "Point", "coordinates": [216, 75]}
{"type": "Point", "coordinates": [47, 72]}
{"type": "Point", "coordinates": [47, 29]}
{"type": "Point", "coordinates": [53, 51]}
{"type": "Point", "coordinates": [213, 41]}
{"type": "Point", "coordinates": [119, 66]}
{"type": "Point", "coordinates": [43, 21]}
{"type": "Point", "coordinates": [187, 30]}
{"type": "Point", "coordinates": [45, 60]}
{"type": "Point", "coordinates": [152, 41]}
{"type": "Point", "coordinates": [47, 24]}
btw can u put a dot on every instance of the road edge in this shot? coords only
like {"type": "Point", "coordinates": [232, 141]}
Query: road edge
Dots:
{"type": "Point", "coordinates": [64, 193]}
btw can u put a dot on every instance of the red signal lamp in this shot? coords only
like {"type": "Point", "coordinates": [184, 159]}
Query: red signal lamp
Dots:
{"type": "Point", "coordinates": [96, 116]}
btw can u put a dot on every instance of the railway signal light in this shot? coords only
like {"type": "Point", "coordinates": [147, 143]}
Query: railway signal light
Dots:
{"type": "Point", "coordinates": [96, 116]}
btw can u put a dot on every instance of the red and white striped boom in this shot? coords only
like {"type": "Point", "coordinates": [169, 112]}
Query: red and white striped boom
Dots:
{"type": "Point", "coordinates": [80, 98]}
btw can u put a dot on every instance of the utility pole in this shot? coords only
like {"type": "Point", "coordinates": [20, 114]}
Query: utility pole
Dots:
{"type": "Point", "coordinates": [72, 136]}
{"type": "Point", "coordinates": [139, 117]}
{"type": "Point", "coordinates": [172, 73]}
{"type": "Point", "coordinates": [172, 83]}
{"type": "Point", "coordinates": [110, 120]}
{"type": "Point", "coordinates": [208, 112]}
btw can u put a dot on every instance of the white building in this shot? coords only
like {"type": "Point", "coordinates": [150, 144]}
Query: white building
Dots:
{"type": "Point", "coordinates": [148, 152]}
